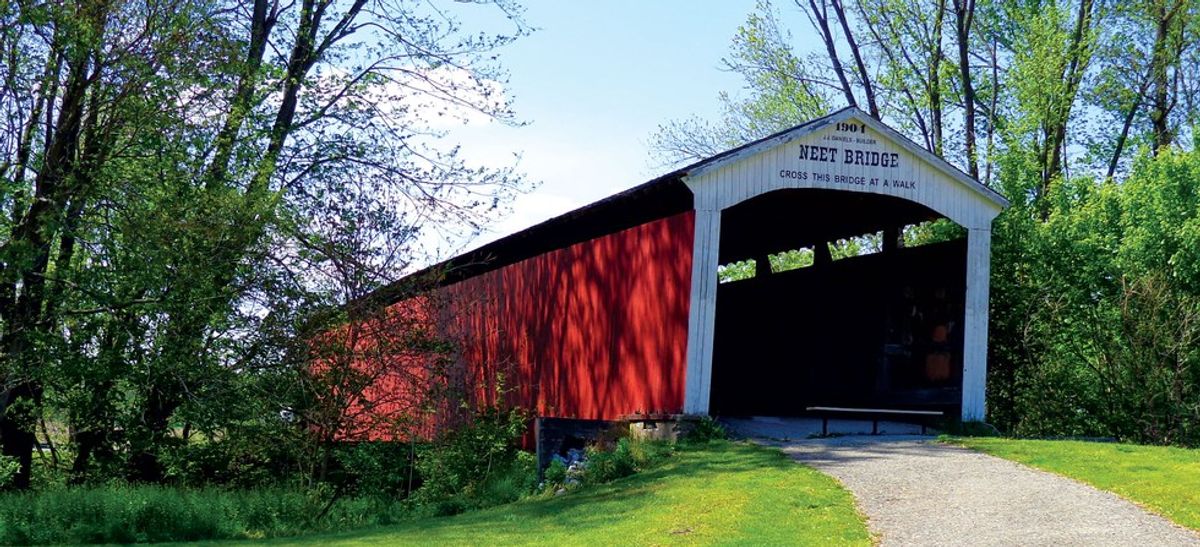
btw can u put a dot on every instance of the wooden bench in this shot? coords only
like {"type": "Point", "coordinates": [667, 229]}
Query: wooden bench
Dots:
{"type": "Point", "coordinates": [874, 413]}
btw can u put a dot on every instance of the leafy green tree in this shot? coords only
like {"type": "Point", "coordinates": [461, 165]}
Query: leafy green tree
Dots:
{"type": "Point", "coordinates": [1108, 287]}
{"type": "Point", "coordinates": [188, 180]}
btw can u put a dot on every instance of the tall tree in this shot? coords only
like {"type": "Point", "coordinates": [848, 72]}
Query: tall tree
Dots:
{"type": "Point", "coordinates": [1169, 18]}
{"type": "Point", "coordinates": [864, 76]}
{"type": "Point", "coordinates": [160, 158]}
{"type": "Point", "coordinates": [27, 251]}
{"type": "Point", "coordinates": [907, 47]}
{"type": "Point", "coordinates": [818, 15]}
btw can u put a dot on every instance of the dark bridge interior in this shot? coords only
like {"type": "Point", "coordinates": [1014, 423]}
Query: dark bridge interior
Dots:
{"type": "Point", "coordinates": [881, 330]}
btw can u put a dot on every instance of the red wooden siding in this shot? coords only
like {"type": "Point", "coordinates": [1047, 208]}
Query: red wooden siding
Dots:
{"type": "Point", "coordinates": [376, 374]}
{"type": "Point", "coordinates": [595, 330]}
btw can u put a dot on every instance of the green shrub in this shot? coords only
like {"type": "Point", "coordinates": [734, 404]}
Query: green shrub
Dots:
{"type": "Point", "coordinates": [510, 484]}
{"type": "Point", "coordinates": [248, 456]}
{"type": "Point", "coordinates": [606, 460]}
{"type": "Point", "coordinates": [376, 469]}
{"type": "Point", "coordinates": [506, 484]}
{"type": "Point", "coordinates": [706, 429]}
{"type": "Point", "coordinates": [651, 453]}
{"type": "Point", "coordinates": [8, 469]}
{"type": "Point", "coordinates": [608, 465]}
{"type": "Point", "coordinates": [1096, 291]}
{"type": "Point", "coordinates": [458, 469]}
{"type": "Point", "coordinates": [556, 473]}
{"type": "Point", "coordinates": [219, 463]}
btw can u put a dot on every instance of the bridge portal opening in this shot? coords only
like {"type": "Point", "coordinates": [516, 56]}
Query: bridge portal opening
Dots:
{"type": "Point", "coordinates": [837, 298]}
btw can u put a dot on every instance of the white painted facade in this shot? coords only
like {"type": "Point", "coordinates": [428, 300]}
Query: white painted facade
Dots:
{"type": "Point", "coordinates": [848, 151]}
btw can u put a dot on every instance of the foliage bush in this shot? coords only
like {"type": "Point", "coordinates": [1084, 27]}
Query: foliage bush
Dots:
{"type": "Point", "coordinates": [241, 461]}
{"type": "Point", "coordinates": [1096, 310]}
{"type": "Point", "coordinates": [475, 466]}
{"type": "Point", "coordinates": [608, 465]}
{"type": "Point", "coordinates": [555, 473]}
{"type": "Point", "coordinates": [8, 468]}
{"type": "Point", "coordinates": [370, 483]}
{"type": "Point", "coordinates": [382, 469]}
{"type": "Point", "coordinates": [512, 482]}
{"type": "Point", "coordinates": [706, 429]}
{"type": "Point", "coordinates": [608, 460]}
{"type": "Point", "coordinates": [470, 465]}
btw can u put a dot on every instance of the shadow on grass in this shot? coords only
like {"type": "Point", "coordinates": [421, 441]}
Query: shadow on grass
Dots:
{"type": "Point", "coordinates": [582, 513]}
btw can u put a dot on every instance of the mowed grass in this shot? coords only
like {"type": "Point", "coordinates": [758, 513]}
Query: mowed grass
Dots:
{"type": "Point", "coordinates": [722, 493]}
{"type": "Point", "coordinates": [1165, 480]}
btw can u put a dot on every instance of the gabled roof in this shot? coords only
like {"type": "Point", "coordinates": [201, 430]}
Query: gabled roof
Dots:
{"type": "Point", "coordinates": [658, 198]}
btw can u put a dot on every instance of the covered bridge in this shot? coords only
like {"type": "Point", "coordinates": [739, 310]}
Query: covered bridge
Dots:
{"type": "Point", "coordinates": [616, 308]}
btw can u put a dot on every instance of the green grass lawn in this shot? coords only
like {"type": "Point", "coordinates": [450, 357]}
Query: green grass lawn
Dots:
{"type": "Point", "coordinates": [725, 493]}
{"type": "Point", "coordinates": [1165, 480]}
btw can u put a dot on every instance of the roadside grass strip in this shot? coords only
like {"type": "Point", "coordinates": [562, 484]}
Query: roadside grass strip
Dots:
{"type": "Point", "coordinates": [1163, 479]}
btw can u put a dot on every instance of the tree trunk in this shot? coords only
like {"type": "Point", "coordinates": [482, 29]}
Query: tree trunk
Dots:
{"type": "Point", "coordinates": [913, 103]}
{"type": "Point", "coordinates": [1164, 14]}
{"type": "Point", "coordinates": [17, 429]}
{"type": "Point", "coordinates": [29, 251]}
{"type": "Point", "coordinates": [33, 238]}
{"type": "Point", "coordinates": [933, 83]}
{"type": "Point", "coordinates": [1128, 123]}
{"type": "Point", "coordinates": [964, 13]}
{"type": "Point", "coordinates": [992, 102]}
{"type": "Point", "coordinates": [187, 326]}
{"type": "Point", "coordinates": [820, 19]}
{"type": "Point", "coordinates": [863, 75]}
{"type": "Point", "coordinates": [25, 147]}
{"type": "Point", "coordinates": [261, 24]}
{"type": "Point", "coordinates": [1055, 129]}
{"type": "Point", "coordinates": [145, 462]}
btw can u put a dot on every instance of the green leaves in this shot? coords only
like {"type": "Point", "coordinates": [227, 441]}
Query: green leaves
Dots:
{"type": "Point", "coordinates": [209, 198]}
{"type": "Point", "coordinates": [1096, 309]}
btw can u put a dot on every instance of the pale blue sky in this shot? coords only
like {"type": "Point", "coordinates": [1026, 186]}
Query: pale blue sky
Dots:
{"type": "Point", "coordinates": [593, 83]}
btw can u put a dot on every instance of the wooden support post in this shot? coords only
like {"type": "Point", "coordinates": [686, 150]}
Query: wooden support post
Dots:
{"type": "Point", "coordinates": [762, 265]}
{"type": "Point", "coordinates": [891, 239]}
{"type": "Point", "coordinates": [975, 325]}
{"type": "Point", "coordinates": [702, 313]}
{"type": "Point", "coordinates": [821, 254]}
{"type": "Point", "coordinates": [537, 446]}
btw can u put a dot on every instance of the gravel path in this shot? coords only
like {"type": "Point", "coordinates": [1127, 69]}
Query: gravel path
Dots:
{"type": "Point", "coordinates": [915, 492]}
